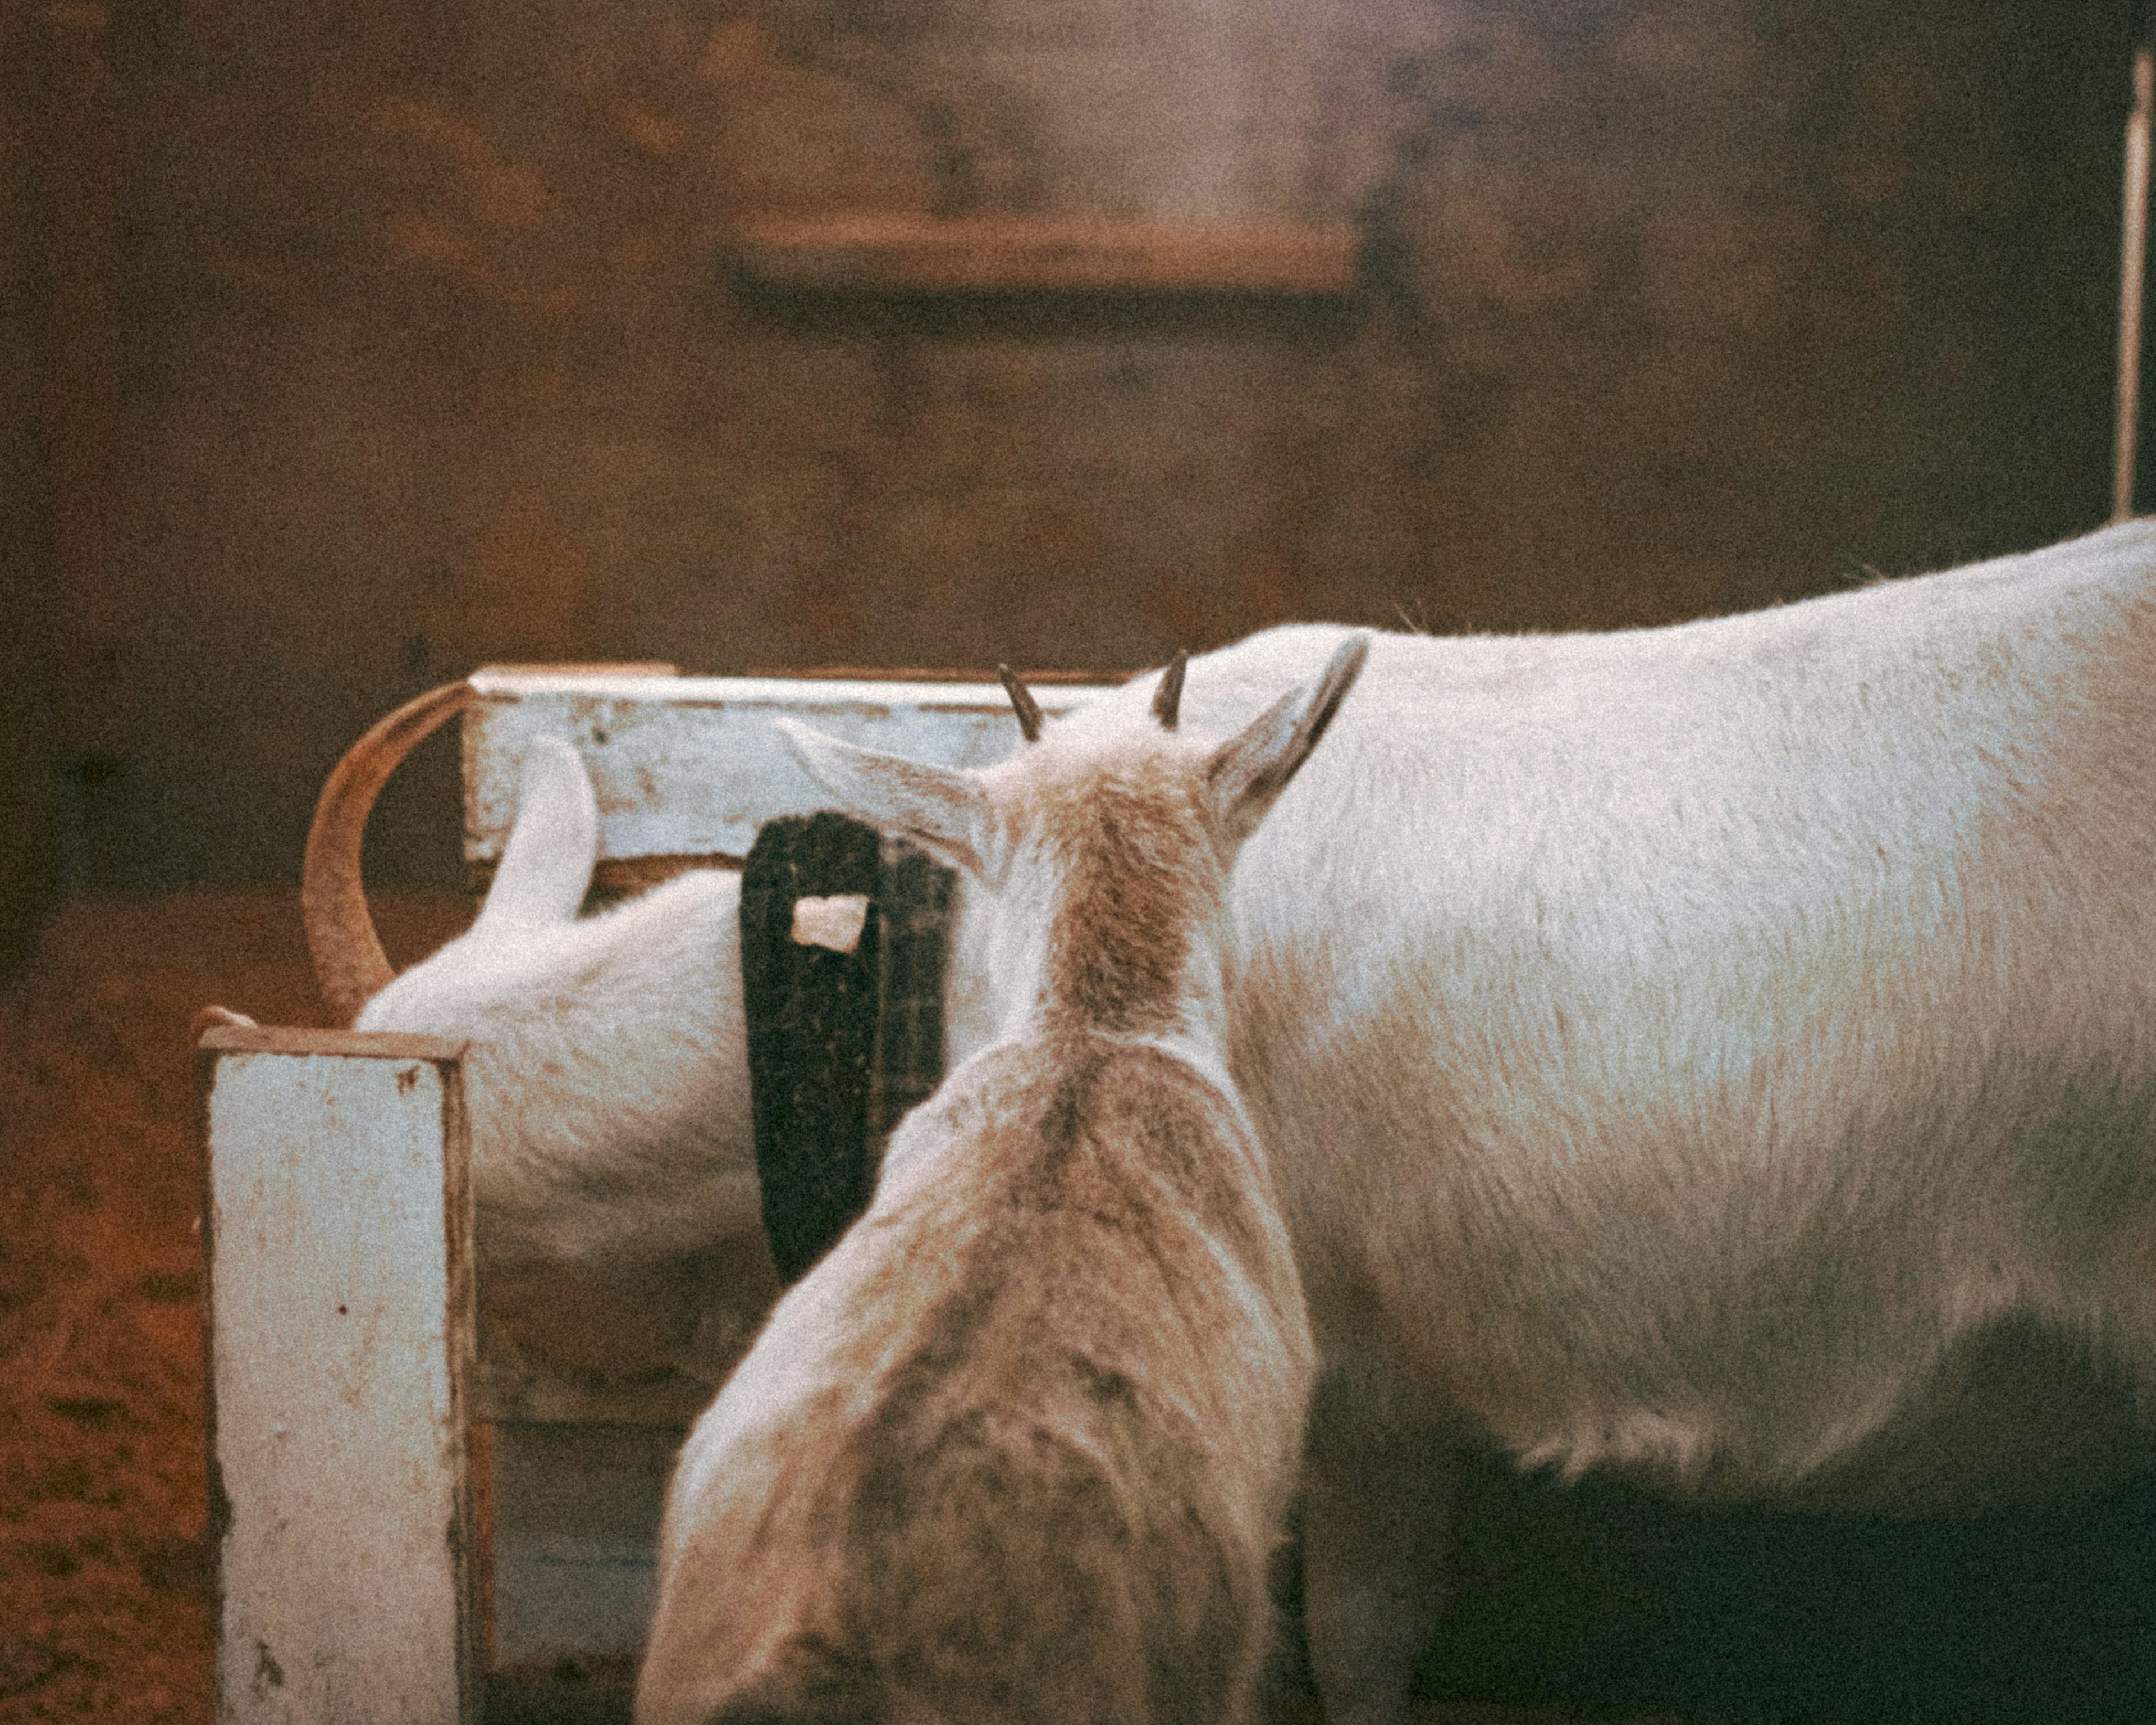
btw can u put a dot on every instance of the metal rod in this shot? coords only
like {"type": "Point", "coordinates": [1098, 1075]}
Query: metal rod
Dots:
{"type": "Point", "coordinates": [2133, 251]}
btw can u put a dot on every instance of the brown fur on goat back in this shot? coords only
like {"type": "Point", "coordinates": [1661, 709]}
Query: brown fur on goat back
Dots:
{"type": "Point", "coordinates": [1013, 1504]}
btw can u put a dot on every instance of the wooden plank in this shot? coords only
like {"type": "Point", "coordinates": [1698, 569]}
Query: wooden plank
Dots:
{"type": "Point", "coordinates": [930, 674]}
{"type": "Point", "coordinates": [364, 1044]}
{"type": "Point", "coordinates": [576, 1543]}
{"type": "Point", "coordinates": [337, 1236]}
{"type": "Point", "coordinates": [692, 766]}
{"type": "Point", "coordinates": [590, 667]}
{"type": "Point", "coordinates": [640, 1343]}
{"type": "Point", "coordinates": [920, 254]}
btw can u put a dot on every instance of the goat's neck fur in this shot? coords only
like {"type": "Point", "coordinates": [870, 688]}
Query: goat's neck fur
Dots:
{"type": "Point", "coordinates": [1112, 919]}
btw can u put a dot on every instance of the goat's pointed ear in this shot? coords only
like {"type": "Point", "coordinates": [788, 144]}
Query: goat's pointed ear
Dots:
{"type": "Point", "coordinates": [939, 809]}
{"type": "Point", "coordinates": [1247, 774]}
{"type": "Point", "coordinates": [546, 864]}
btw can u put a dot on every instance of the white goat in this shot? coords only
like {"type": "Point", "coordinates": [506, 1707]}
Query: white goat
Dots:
{"type": "Point", "coordinates": [1724, 1051]}
{"type": "Point", "coordinates": [1018, 1448]}
{"type": "Point", "coordinates": [608, 1075]}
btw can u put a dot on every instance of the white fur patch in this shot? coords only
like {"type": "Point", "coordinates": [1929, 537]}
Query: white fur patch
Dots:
{"type": "Point", "coordinates": [835, 922]}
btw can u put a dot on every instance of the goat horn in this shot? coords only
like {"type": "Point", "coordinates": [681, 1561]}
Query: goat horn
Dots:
{"type": "Point", "coordinates": [1167, 699]}
{"type": "Point", "coordinates": [350, 966]}
{"type": "Point", "coordinates": [1022, 702]}
{"type": "Point", "coordinates": [221, 1018]}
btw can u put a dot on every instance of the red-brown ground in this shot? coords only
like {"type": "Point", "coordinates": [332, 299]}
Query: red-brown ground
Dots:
{"type": "Point", "coordinates": [104, 1577]}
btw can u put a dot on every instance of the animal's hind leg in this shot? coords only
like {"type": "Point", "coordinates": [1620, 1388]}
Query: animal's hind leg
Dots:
{"type": "Point", "coordinates": [1379, 1512]}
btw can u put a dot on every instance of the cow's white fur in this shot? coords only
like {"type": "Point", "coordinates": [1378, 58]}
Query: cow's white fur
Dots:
{"type": "Point", "coordinates": [1678, 1046]}
{"type": "Point", "coordinates": [1019, 1447]}
{"type": "Point", "coordinates": [608, 1075]}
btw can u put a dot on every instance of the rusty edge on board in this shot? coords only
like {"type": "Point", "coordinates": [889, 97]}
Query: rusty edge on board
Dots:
{"type": "Point", "coordinates": [817, 674]}
{"type": "Point", "coordinates": [356, 1044]}
{"type": "Point", "coordinates": [917, 674]}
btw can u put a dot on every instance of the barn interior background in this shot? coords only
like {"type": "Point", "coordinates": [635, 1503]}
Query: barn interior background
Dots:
{"type": "Point", "coordinates": [343, 348]}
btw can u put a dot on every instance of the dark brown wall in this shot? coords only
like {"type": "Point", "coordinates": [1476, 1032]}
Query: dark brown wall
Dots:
{"type": "Point", "coordinates": [25, 812]}
{"type": "Point", "coordinates": [56, 229]}
{"type": "Point", "coordinates": [430, 353]}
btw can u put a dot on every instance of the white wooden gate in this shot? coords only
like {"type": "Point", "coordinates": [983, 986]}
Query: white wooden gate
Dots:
{"type": "Point", "coordinates": [432, 1485]}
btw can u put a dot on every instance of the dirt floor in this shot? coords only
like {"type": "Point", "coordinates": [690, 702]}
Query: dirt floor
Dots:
{"type": "Point", "coordinates": [1590, 1603]}
{"type": "Point", "coordinates": [104, 1576]}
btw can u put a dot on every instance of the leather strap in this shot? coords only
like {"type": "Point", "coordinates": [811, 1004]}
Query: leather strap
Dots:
{"type": "Point", "coordinates": [840, 1043]}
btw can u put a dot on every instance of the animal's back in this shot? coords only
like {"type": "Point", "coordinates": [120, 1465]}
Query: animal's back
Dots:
{"type": "Point", "coordinates": [1023, 1502]}
{"type": "Point", "coordinates": [1675, 1044]}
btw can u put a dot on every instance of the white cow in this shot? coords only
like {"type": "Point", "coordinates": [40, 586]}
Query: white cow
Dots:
{"type": "Point", "coordinates": [1722, 1052]}
{"type": "Point", "coordinates": [1019, 1447]}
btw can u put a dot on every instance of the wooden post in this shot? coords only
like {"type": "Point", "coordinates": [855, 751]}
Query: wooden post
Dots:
{"type": "Point", "coordinates": [339, 1329]}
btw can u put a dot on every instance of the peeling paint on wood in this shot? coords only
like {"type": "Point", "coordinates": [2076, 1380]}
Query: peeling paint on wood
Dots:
{"type": "Point", "coordinates": [339, 1334]}
{"type": "Point", "coordinates": [693, 765]}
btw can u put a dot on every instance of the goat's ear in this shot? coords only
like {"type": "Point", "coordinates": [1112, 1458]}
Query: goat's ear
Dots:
{"type": "Point", "coordinates": [546, 864]}
{"type": "Point", "coordinates": [1247, 774]}
{"type": "Point", "coordinates": [939, 809]}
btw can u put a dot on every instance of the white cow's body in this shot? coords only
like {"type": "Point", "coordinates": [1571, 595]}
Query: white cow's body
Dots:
{"type": "Point", "coordinates": [1680, 1049]}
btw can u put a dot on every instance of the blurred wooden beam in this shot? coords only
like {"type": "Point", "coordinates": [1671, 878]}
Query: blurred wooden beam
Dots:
{"type": "Point", "coordinates": [993, 254]}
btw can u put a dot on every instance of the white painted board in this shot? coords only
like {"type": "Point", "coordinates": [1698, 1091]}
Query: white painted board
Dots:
{"type": "Point", "coordinates": [691, 766]}
{"type": "Point", "coordinates": [339, 1320]}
